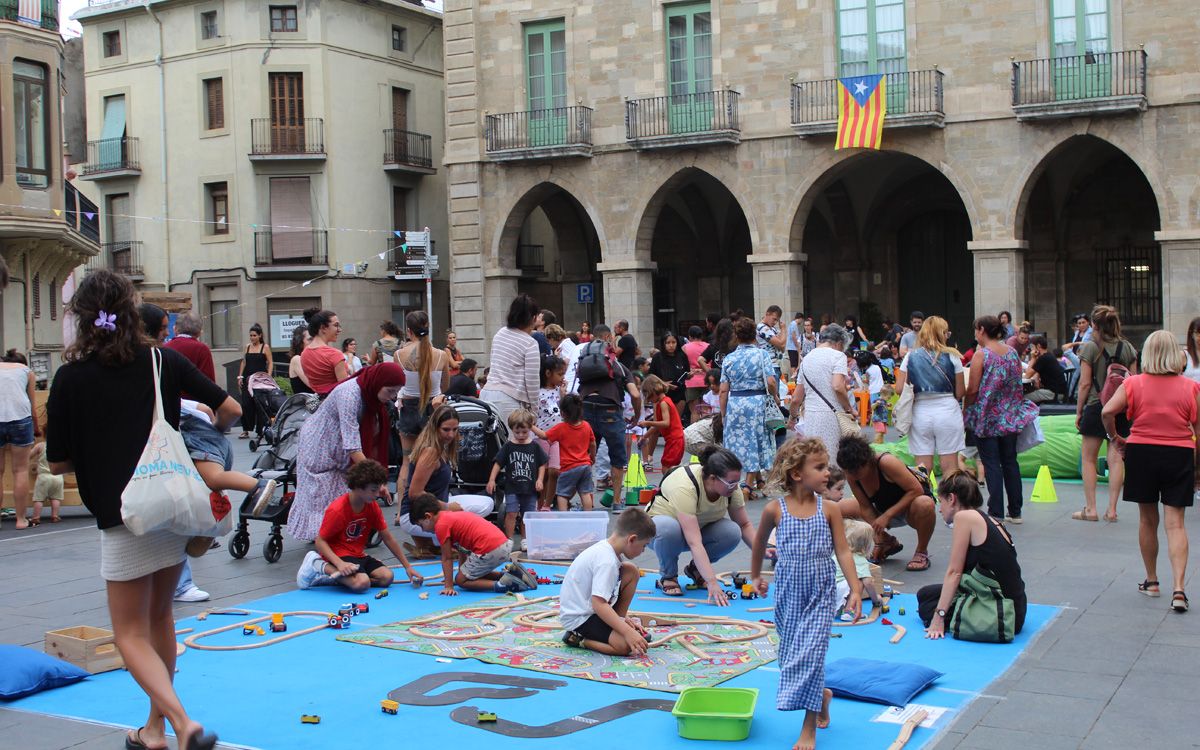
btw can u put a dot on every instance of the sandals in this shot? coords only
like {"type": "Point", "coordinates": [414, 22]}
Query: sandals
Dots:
{"type": "Point", "coordinates": [133, 741]}
{"type": "Point", "coordinates": [1082, 515]}
{"type": "Point", "coordinates": [1179, 602]}
{"type": "Point", "coordinates": [1110, 517]}
{"type": "Point", "coordinates": [1149, 588]}
{"type": "Point", "coordinates": [54, 519]}
{"type": "Point", "coordinates": [919, 562]}
{"type": "Point", "coordinates": [35, 522]}
{"type": "Point", "coordinates": [891, 546]}
{"type": "Point", "coordinates": [669, 586]}
{"type": "Point", "coordinates": [691, 571]}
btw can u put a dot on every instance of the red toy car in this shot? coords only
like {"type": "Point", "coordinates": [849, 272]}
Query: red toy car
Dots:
{"type": "Point", "coordinates": [361, 608]}
{"type": "Point", "coordinates": [339, 621]}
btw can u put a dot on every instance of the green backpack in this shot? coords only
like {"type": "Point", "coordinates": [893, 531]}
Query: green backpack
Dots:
{"type": "Point", "coordinates": [981, 612]}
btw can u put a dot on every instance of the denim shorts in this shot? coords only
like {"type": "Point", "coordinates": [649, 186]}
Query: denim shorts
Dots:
{"type": "Point", "coordinates": [18, 433]}
{"type": "Point", "coordinates": [608, 423]}
{"type": "Point", "coordinates": [520, 503]}
{"type": "Point", "coordinates": [578, 479]}
{"type": "Point", "coordinates": [204, 443]}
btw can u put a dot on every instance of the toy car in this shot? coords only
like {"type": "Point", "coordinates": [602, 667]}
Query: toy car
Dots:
{"type": "Point", "coordinates": [339, 622]}
{"type": "Point", "coordinates": [542, 581]}
{"type": "Point", "coordinates": [310, 719]}
{"type": "Point", "coordinates": [361, 608]}
{"type": "Point", "coordinates": [485, 716]}
{"type": "Point", "coordinates": [739, 580]}
{"type": "Point", "coordinates": [749, 594]}
{"type": "Point", "coordinates": [279, 627]}
{"type": "Point", "coordinates": [381, 594]}
{"type": "Point", "coordinates": [389, 706]}
{"type": "Point", "coordinates": [252, 630]}
{"type": "Point", "coordinates": [347, 609]}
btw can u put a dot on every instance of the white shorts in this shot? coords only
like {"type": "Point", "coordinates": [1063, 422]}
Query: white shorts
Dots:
{"type": "Point", "coordinates": [937, 428]}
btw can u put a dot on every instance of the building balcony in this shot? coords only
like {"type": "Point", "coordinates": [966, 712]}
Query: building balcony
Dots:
{"type": "Point", "coordinates": [914, 99]}
{"type": "Point", "coordinates": [81, 215]}
{"type": "Point", "coordinates": [406, 151]}
{"type": "Point", "coordinates": [10, 10]}
{"type": "Point", "coordinates": [284, 252]}
{"type": "Point", "coordinates": [298, 140]}
{"type": "Point", "coordinates": [557, 133]}
{"type": "Point", "coordinates": [683, 120]}
{"type": "Point", "coordinates": [111, 158]}
{"type": "Point", "coordinates": [1098, 83]}
{"type": "Point", "coordinates": [410, 264]}
{"type": "Point", "coordinates": [123, 257]}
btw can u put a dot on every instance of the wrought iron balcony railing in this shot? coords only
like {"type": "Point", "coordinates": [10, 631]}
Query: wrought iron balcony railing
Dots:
{"type": "Point", "coordinates": [123, 257]}
{"type": "Point", "coordinates": [539, 134]}
{"type": "Point", "coordinates": [683, 119]}
{"type": "Point", "coordinates": [1093, 83]}
{"type": "Point", "coordinates": [406, 148]}
{"type": "Point", "coordinates": [282, 247]}
{"type": "Point", "coordinates": [112, 157]}
{"type": "Point", "coordinates": [298, 138]}
{"type": "Point", "coordinates": [913, 98]}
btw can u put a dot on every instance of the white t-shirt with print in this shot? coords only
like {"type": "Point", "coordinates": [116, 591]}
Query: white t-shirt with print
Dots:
{"type": "Point", "coordinates": [596, 572]}
{"type": "Point", "coordinates": [548, 413]}
{"type": "Point", "coordinates": [765, 334]}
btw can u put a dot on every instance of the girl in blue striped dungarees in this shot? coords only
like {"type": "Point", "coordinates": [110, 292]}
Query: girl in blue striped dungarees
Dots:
{"type": "Point", "coordinates": [809, 535]}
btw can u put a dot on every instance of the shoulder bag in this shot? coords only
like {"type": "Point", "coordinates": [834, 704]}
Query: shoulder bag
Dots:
{"type": "Point", "coordinates": [981, 611]}
{"type": "Point", "coordinates": [846, 422]}
{"type": "Point", "coordinates": [166, 492]}
{"type": "Point", "coordinates": [773, 415]}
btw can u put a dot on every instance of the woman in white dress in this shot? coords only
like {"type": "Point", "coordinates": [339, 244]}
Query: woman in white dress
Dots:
{"type": "Point", "coordinates": [823, 388]}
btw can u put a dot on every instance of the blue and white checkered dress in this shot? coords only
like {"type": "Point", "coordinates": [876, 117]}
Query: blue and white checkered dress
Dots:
{"type": "Point", "coordinates": [804, 607]}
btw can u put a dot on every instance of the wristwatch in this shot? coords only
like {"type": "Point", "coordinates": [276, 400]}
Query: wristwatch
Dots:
{"type": "Point", "coordinates": [941, 613]}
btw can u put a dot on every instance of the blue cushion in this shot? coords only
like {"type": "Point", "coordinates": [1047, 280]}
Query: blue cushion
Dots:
{"type": "Point", "coordinates": [892, 683]}
{"type": "Point", "coordinates": [27, 672]}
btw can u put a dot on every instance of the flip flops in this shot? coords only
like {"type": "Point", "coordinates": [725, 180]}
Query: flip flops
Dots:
{"type": "Point", "coordinates": [134, 741]}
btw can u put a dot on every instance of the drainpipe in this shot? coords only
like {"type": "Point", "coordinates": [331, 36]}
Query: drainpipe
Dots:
{"type": "Point", "coordinates": [162, 149]}
{"type": "Point", "coordinates": [28, 299]}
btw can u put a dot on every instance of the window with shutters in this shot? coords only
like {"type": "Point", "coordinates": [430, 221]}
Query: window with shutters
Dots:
{"type": "Point", "coordinates": [208, 25]}
{"type": "Point", "coordinates": [31, 113]}
{"type": "Point", "coordinates": [283, 18]}
{"type": "Point", "coordinates": [291, 234]}
{"type": "Point", "coordinates": [399, 38]}
{"type": "Point", "coordinates": [287, 112]}
{"type": "Point", "coordinates": [111, 41]}
{"type": "Point", "coordinates": [218, 207]}
{"type": "Point", "coordinates": [52, 288]}
{"type": "Point", "coordinates": [37, 295]}
{"type": "Point", "coordinates": [214, 97]}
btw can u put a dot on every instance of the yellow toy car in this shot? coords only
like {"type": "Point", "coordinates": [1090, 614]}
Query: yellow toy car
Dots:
{"type": "Point", "coordinates": [389, 706]}
{"type": "Point", "coordinates": [310, 719]}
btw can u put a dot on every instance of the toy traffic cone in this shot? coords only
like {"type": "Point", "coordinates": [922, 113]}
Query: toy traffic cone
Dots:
{"type": "Point", "coordinates": [1043, 487]}
{"type": "Point", "coordinates": [695, 460]}
{"type": "Point", "coordinates": [635, 475]}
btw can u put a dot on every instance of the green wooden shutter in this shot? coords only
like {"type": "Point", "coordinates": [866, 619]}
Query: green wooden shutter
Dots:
{"type": "Point", "coordinates": [1082, 68]}
{"type": "Point", "coordinates": [689, 66]}
{"type": "Point", "coordinates": [546, 82]}
{"type": "Point", "coordinates": [871, 39]}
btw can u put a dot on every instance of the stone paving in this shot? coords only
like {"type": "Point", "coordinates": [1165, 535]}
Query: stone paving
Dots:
{"type": "Point", "coordinates": [1115, 669]}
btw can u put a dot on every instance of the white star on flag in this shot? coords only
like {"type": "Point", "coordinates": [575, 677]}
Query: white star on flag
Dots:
{"type": "Point", "coordinates": [860, 88]}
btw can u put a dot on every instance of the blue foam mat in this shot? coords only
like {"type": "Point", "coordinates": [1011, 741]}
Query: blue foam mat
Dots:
{"type": "Point", "coordinates": [255, 698]}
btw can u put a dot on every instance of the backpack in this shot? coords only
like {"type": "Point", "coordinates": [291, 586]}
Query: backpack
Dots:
{"type": "Point", "coordinates": [1114, 373]}
{"type": "Point", "coordinates": [594, 363]}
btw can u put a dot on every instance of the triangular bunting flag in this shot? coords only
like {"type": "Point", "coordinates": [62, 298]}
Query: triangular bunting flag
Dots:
{"type": "Point", "coordinates": [57, 211]}
{"type": "Point", "coordinates": [89, 214]}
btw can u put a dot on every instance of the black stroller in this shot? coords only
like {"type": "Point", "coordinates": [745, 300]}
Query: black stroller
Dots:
{"type": "Point", "coordinates": [481, 435]}
{"type": "Point", "coordinates": [277, 462]}
{"type": "Point", "coordinates": [268, 399]}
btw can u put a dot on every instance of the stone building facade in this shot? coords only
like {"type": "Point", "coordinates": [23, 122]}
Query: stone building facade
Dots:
{"type": "Point", "coordinates": [262, 156]}
{"type": "Point", "coordinates": [1038, 156]}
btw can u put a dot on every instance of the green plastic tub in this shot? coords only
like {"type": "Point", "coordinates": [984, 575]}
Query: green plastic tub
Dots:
{"type": "Point", "coordinates": [704, 713]}
{"type": "Point", "coordinates": [607, 498]}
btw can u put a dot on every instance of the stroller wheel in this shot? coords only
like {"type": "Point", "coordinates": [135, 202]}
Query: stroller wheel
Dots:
{"type": "Point", "coordinates": [253, 446]}
{"type": "Point", "coordinates": [273, 548]}
{"type": "Point", "coordinates": [239, 545]}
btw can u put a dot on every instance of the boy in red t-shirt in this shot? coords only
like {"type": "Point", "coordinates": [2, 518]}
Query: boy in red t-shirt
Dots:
{"type": "Point", "coordinates": [483, 549]}
{"type": "Point", "coordinates": [576, 452]}
{"type": "Point", "coordinates": [340, 556]}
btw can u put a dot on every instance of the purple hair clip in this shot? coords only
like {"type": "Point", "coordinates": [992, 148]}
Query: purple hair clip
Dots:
{"type": "Point", "coordinates": [106, 321]}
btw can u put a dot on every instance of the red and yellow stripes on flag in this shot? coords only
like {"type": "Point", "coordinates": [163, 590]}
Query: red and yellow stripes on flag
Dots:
{"type": "Point", "coordinates": [860, 126]}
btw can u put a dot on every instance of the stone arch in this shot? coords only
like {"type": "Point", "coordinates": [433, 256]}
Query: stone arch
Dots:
{"type": "Point", "coordinates": [1025, 180]}
{"type": "Point", "coordinates": [503, 246]}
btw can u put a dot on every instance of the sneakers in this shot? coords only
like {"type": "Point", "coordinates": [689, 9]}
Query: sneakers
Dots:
{"type": "Point", "coordinates": [510, 584]}
{"type": "Point", "coordinates": [262, 495]}
{"type": "Point", "coordinates": [521, 574]}
{"type": "Point", "coordinates": [1015, 520]}
{"type": "Point", "coordinates": [197, 546]}
{"type": "Point", "coordinates": [193, 594]}
{"type": "Point", "coordinates": [312, 571]}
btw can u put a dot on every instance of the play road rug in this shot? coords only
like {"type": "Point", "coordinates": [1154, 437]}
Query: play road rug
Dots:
{"type": "Point", "coordinates": [687, 649]}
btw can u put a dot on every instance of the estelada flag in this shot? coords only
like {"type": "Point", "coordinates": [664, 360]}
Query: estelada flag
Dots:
{"type": "Point", "coordinates": [862, 104]}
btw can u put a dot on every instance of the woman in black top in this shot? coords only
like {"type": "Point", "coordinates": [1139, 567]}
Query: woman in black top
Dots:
{"type": "Point", "coordinates": [722, 344]}
{"type": "Point", "coordinates": [671, 366]}
{"type": "Point", "coordinates": [979, 542]}
{"type": "Point", "coordinates": [300, 340]}
{"type": "Point", "coordinates": [99, 414]}
{"type": "Point", "coordinates": [256, 358]}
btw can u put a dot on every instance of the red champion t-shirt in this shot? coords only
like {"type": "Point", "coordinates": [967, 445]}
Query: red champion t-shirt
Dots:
{"type": "Point", "coordinates": [347, 531]}
{"type": "Point", "coordinates": [468, 530]}
{"type": "Point", "coordinates": [573, 440]}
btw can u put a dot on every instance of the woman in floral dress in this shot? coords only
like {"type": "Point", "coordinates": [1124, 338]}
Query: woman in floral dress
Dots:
{"type": "Point", "coordinates": [747, 381]}
{"type": "Point", "coordinates": [997, 412]}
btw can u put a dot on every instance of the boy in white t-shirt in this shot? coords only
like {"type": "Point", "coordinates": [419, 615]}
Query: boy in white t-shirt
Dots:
{"type": "Point", "coordinates": [598, 589]}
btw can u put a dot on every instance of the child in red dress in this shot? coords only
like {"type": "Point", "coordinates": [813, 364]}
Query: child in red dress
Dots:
{"type": "Point", "coordinates": [665, 419]}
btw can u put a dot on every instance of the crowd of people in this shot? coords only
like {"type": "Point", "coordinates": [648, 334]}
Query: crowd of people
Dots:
{"type": "Point", "coordinates": [764, 407]}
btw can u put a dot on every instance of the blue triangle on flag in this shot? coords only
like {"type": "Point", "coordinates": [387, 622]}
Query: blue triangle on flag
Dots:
{"type": "Point", "coordinates": [862, 87]}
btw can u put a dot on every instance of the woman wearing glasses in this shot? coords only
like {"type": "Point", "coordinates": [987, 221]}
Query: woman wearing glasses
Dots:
{"type": "Point", "coordinates": [701, 508]}
{"type": "Point", "coordinates": [323, 362]}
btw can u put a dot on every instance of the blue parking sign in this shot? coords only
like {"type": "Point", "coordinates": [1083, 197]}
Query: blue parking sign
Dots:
{"type": "Point", "coordinates": [585, 294]}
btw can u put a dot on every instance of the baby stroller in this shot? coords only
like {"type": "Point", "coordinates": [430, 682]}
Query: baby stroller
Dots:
{"type": "Point", "coordinates": [268, 398]}
{"type": "Point", "coordinates": [277, 462]}
{"type": "Point", "coordinates": [481, 435]}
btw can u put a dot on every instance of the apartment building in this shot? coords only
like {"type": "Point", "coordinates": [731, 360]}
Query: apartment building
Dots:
{"type": "Point", "coordinates": [46, 228]}
{"type": "Point", "coordinates": [263, 157]}
{"type": "Point", "coordinates": [658, 161]}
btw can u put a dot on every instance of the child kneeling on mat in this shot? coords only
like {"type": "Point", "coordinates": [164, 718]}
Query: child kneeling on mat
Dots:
{"type": "Point", "coordinates": [483, 549]}
{"type": "Point", "coordinates": [340, 556]}
{"type": "Point", "coordinates": [598, 589]}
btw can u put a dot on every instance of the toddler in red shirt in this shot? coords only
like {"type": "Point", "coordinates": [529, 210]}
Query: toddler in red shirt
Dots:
{"type": "Point", "coordinates": [483, 549]}
{"type": "Point", "coordinates": [665, 420]}
{"type": "Point", "coordinates": [340, 556]}
{"type": "Point", "coordinates": [576, 451]}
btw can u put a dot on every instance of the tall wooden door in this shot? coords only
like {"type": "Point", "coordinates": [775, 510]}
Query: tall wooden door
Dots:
{"type": "Point", "coordinates": [287, 112]}
{"type": "Point", "coordinates": [400, 124]}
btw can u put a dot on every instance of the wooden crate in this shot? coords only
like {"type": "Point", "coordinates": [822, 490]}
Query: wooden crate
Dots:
{"type": "Point", "coordinates": [90, 649]}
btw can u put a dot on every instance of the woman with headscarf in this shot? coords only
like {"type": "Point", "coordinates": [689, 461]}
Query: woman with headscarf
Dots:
{"type": "Point", "coordinates": [351, 425]}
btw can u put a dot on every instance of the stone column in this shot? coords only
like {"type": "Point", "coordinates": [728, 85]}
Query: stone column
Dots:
{"type": "Point", "coordinates": [629, 295]}
{"type": "Point", "coordinates": [499, 290]}
{"type": "Point", "coordinates": [1180, 278]}
{"type": "Point", "coordinates": [778, 280]}
{"type": "Point", "coordinates": [999, 277]}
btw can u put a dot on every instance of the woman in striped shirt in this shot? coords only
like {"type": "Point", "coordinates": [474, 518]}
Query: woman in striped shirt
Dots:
{"type": "Point", "coordinates": [515, 374]}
